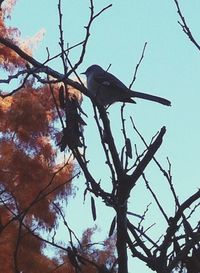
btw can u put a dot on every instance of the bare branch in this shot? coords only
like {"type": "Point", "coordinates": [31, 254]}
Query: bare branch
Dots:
{"type": "Point", "coordinates": [152, 149]}
{"type": "Point", "coordinates": [87, 34]}
{"type": "Point", "coordinates": [185, 26]}
{"type": "Point", "coordinates": [46, 69]}
{"type": "Point", "coordinates": [137, 66]}
{"type": "Point", "coordinates": [173, 225]}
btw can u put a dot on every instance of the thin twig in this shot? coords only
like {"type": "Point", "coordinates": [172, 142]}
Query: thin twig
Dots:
{"type": "Point", "coordinates": [87, 34]}
{"type": "Point", "coordinates": [71, 232]}
{"type": "Point", "coordinates": [55, 102]}
{"type": "Point", "coordinates": [137, 66]}
{"type": "Point", "coordinates": [185, 26]}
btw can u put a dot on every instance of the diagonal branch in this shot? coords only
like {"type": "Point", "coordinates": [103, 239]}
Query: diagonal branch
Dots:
{"type": "Point", "coordinates": [137, 66]}
{"type": "Point", "coordinates": [152, 149]}
{"type": "Point", "coordinates": [111, 142]}
{"type": "Point", "coordinates": [185, 26]}
{"type": "Point", "coordinates": [46, 69]}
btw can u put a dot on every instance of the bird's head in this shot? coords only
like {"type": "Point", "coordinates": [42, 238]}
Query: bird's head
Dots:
{"type": "Point", "coordinates": [93, 68]}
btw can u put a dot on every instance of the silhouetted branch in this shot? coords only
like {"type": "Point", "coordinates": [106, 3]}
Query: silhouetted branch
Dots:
{"type": "Point", "coordinates": [110, 141]}
{"type": "Point", "coordinates": [49, 71]}
{"type": "Point", "coordinates": [173, 225]}
{"type": "Point", "coordinates": [155, 198]}
{"type": "Point", "coordinates": [138, 240]}
{"type": "Point", "coordinates": [71, 232]}
{"type": "Point", "coordinates": [152, 149]}
{"type": "Point", "coordinates": [93, 16]}
{"type": "Point", "coordinates": [104, 140]}
{"type": "Point", "coordinates": [137, 66]}
{"type": "Point", "coordinates": [61, 43]}
{"type": "Point", "coordinates": [185, 26]}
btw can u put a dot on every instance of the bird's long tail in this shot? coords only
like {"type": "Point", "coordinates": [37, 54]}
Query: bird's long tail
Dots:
{"type": "Point", "coordinates": [144, 96]}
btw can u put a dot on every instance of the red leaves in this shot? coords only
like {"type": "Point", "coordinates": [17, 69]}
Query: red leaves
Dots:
{"type": "Point", "coordinates": [27, 161]}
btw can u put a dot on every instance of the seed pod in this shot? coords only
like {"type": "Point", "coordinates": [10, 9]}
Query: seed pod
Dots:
{"type": "Point", "coordinates": [93, 207]}
{"type": "Point", "coordinates": [112, 227]}
{"type": "Point", "coordinates": [62, 97]}
{"type": "Point", "coordinates": [128, 148]}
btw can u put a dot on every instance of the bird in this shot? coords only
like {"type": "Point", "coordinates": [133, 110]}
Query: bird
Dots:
{"type": "Point", "coordinates": [108, 89]}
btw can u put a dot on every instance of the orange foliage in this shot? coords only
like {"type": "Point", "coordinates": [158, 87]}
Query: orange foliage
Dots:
{"type": "Point", "coordinates": [93, 256]}
{"type": "Point", "coordinates": [104, 255]}
{"type": "Point", "coordinates": [28, 250]}
{"type": "Point", "coordinates": [27, 162]}
{"type": "Point", "coordinates": [9, 60]}
{"type": "Point", "coordinates": [31, 179]}
{"type": "Point", "coordinates": [30, 259]}
{"type": "Point", "coordinates": [29, 175]}
{"type": "Point", "coordinates": [30, 111]}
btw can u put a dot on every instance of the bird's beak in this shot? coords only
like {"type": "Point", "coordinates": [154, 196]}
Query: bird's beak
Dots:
{"type": "Point", "coordinates": [83, 73]}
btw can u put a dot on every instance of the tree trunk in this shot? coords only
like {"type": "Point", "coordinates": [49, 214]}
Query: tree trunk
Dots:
{"type": "Point", "coordinates": [121, 238]}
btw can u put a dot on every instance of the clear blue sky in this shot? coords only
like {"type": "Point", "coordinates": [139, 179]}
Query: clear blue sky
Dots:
{"type": "Point", "coordinates": [170, 69]}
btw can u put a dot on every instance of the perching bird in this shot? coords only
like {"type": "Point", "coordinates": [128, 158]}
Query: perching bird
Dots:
{"type": "Point", "coordinates": [109, 89]}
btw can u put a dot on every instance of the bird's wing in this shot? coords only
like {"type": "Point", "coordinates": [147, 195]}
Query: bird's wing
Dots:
{"type": "Point", "coordinates": [108, 80]}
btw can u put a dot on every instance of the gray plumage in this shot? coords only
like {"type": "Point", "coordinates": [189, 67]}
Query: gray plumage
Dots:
{"type": "Point", "coordinates": [109, 89]}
